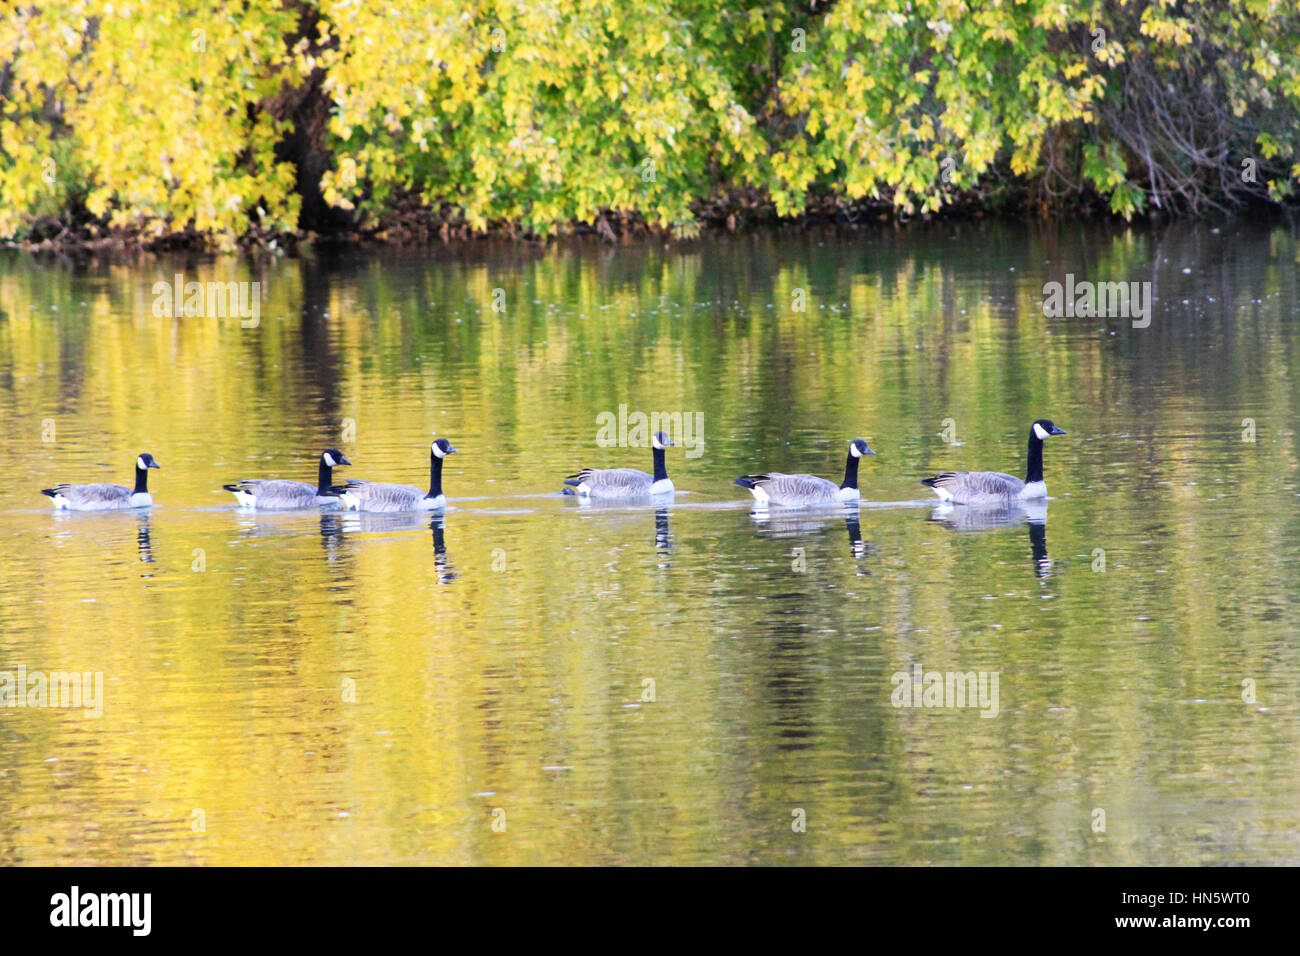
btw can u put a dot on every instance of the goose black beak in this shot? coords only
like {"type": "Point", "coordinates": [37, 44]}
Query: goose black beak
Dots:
{"type": "Point", "coordinates": [343, 461]}
{"type": "Point", "coordinates": [451, 450]}
{"type": "Point", "coordinates": [1059, 431]}
{"type": "Point", "coordinates": [154, 464]}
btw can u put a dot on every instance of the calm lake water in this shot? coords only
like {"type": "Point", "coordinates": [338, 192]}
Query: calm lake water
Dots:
{"type": "Point", "coordinates": [533, 681]}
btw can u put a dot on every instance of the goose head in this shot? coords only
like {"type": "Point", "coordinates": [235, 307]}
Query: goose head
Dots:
{"type": "Point", "coordinates": [332, 458]}
{"type": "Point", "coordinates": [146, 461]}
{"type": "Point", "coordinates": [442, 448]}
{"type": "Point", "coordinates": [859, 447]}
{"type": "Point", "coordinates": [660, 441]}
{"type": "Point", "coordinates": [1044, 428]}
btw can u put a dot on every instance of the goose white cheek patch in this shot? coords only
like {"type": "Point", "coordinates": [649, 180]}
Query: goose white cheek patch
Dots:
{"type": "Point", "coordinates": [139, 463]}
{"type": "Point", "coordinates": [438, 451]}
{"type": "Point", "coordinates": [1040, 432]}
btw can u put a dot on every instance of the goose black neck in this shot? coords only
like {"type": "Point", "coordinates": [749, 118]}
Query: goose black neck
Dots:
{"type": "Point", "coordinates": [435, 475]}
{"type": "Point", "coordinates": [1034, 471]}
{"type": "Point", "coordinates": [661, 470]}
{"type": "Point", "coordinates": [324, 478]}
{"type": "Point", "coordinates": [141, 480]}
{"type": "Point", "coordinates": [851, 472]}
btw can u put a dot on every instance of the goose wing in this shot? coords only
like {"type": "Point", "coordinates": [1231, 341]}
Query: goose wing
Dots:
{"type": "Point", "coordinates": [801, 489]}
{"type": "Point", "coordinates": [275, 493]}
{"type": "Point", "coordinates": [782, 489]}
{"type": "Point", "coordinates": [374, 496]}
{"type": "Point", "coordinates": [613, 481]}
{"type": "Point", "coordinates": [975, 485]}
{"type": "Point", "coordinates": [92, 497]}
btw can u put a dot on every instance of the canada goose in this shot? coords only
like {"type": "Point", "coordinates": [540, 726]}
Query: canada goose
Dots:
{"type": "Point", "coordinates": [797, 491]}
{"type": "Point", "coordinates": [372, 496]}
{"type": "Point", "coordinates": [625, 482]}
{"type": "Point", "coordinates": [993, 487]}
{"type": "Point", "coordinates": [289, 495]}
{"type": "Point", "coordinates": [107, 497]}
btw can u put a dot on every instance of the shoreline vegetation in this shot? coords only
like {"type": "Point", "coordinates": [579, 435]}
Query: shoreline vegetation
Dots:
{"type": "Point", "coordinates": [176, 124]}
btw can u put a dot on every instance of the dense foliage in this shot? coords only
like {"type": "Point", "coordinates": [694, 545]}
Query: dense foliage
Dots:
{"type": "Point", "coordinates": [185, 116]}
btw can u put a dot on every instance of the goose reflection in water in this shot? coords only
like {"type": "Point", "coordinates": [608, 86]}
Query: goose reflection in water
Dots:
{"type": "Point", "coordinates": [79, 522]}
{"type": "Point", "coordinates": [144, 543]}
{"type": "Point", "coordinates": [336, 526]}
{"type": "Point", "coordinates": [633, 508]}
{"type": "Point", "coordinates": [1030, 513]}
{"type": "Point", "coordinates": [331, 534]}
{"type": "Point", "coordinates": [443, 566]}
{"type": "Point", "coordinates": [856, 547]}
{"type": "Point", "coordinates": [253, 524]}
{"type": "Point", "coordinates": [793, 523]}
{"type": "Point", "coordinates": [663, 538]}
